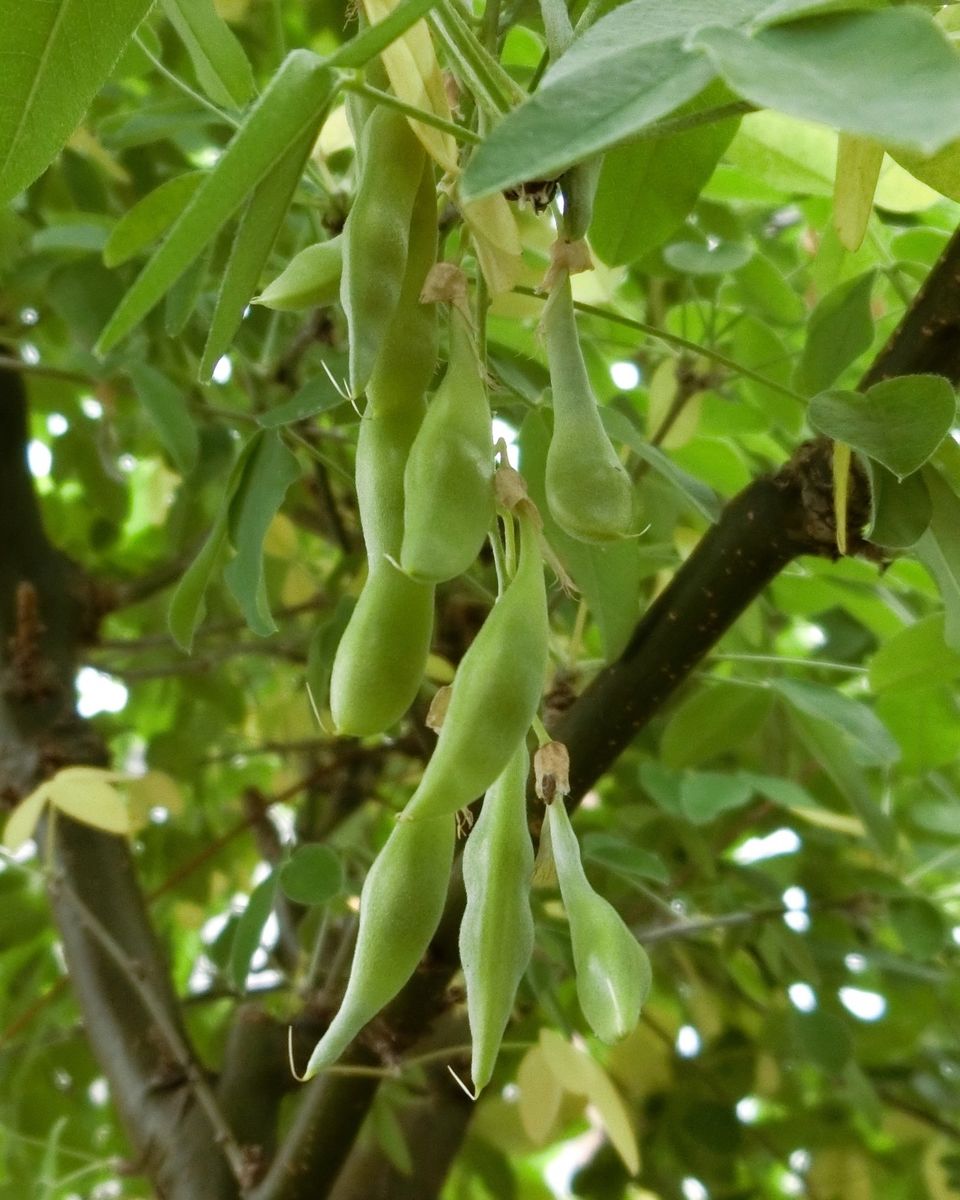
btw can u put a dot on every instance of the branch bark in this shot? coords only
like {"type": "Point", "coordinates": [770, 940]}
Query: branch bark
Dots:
{"type": "Point", "coordinates": [46, 609]}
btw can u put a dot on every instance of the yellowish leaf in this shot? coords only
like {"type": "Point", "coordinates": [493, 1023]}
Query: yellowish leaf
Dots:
{"type": "Point", "coordinates": [680, 425]}
{"type": "Point", "coordinates": [858, 170]}
{"type": "Point", "coordinates": [497, 242]}
{"type": "Point", "coordinates": [841, 488]}
{"type": "Point", "coordinates": [540, 1096]}
{"type": "Point", "coordinates": [87, 794]}
{"type": "Point", "coordinates": [156, 789]}
{"type": "Point", "coordinates": [23, 820]}
{"type": "Point", "coordinates": [83, 142]}
{"type": "Point", "coordinates": [839, 1173]}
{"type": "Point", "coordinates": [415, 76]}
{"type": "Point", "coordinates": [577, 1072]}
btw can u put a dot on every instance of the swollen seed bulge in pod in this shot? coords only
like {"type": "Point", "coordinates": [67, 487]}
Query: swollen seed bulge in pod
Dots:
{"type": "Point", "coordinates": [589, 493]}
{"type": "Point", "coordinates": [613, 971]}
{"type": "Point", "coordinates": [495, 693]}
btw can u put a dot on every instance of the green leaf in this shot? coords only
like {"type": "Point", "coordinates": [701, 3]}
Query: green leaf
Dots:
{"type": "Point", "coordinates": [312, 875]}
{"type": "Point", "coordinates": [252, 242]}
{"type": "Point", "coordinates": [901, 510]}
{"type": "Point", "coordinates": [940, 171]}
{"type": "Point", "coordinates": [57, 55]}
{"type": "Point", "coordinates": [916, 657]}
{"type": "Point", "coordinates": [840, 329]}
{"type": "Point", "coordinates": [249, 930]}
{"type": "Point", "coordinates": [939, 549]}
{"type": "Point", "coordinates": [828, 746]}
{"type": "Point", "coordinates": [704, 795]}
{"type": "Point", "coordinates": [703, 499]}
{"type": "Point", "coordinates": [222, 68]}
{"type": "Point", "coordinates": [899, 422]}
{"type": "Point", "coordinates": [167, 409]}
{"type": "Point", "coordinates": [621, 857]}
{"type": "Point", "coordinates": [716, 718]}
{"type": "Point", "coordinates": [814, 69]}
{"type": "Point", "coordinates": [317, 395]}
{"type": "Point", "coordinates": [150, 217]}
{"type": "Point", "coordinates": [856, 724]}
{"type": "Point", "coordinates": [601, 91]}
{"type": "Point", "coordinates": [706, 258]}
{"type": "Point", "coordinates": [181, 300]}
{"type": "Point", "coordinates": [647, 188]}
{"type": "Point", "coordinates": [764, 289]}
{"type": "Point", "coordinates": [289, 111]}
{"type": "Point", "coordinates": [186, 605]}
{"type": "Point", "coordinates": [858, 169]}
{"type": "Point", "coordinates": [269, 471]}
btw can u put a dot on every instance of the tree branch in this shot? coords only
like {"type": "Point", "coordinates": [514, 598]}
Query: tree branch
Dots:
{"type": "Point", "coordinates": [46, 609]}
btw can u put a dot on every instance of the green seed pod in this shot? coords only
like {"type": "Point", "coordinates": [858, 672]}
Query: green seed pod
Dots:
{"type": "Point", "coordinates": [448, 482]}
{"type": "Point", "coordinates": [495, 693]}
{"type": "Point", "coordinates": [310, 279]}
{"type": "Point", "coordinates": [613, 971]}
{"type": "Point", "coordinates": [589, 493]}
{"type": "Point", "coordinates": [376, 237]}
{"type": "Point", "coordinates": [381, 657]}
{"type": "Point", "coordinates": [380, 661]}
{"type": "Point", "coordinates": [496, 936]}
{"type": "Point", "coordinates": [400, 908]}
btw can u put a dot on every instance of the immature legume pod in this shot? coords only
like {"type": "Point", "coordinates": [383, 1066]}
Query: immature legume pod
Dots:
{"type": "Point", "coordinates": [496, 936]}
{"type": "Point", "coordinates": [309, 280]}
{"type": "Point", "coordinates": [613, 971]}
{"type": "Point", "coordinates": [448, 482]}
{"type": "Point", "coordinates": [495, 692]}
{"type": "Point", "coordinates": [376, 237]}
{"type": "Point", "coordinates": [589, 493]}
{"type": "Point", "coordinates": [380, 661]}
{"type": "Point", "coordinates": [401, 903]}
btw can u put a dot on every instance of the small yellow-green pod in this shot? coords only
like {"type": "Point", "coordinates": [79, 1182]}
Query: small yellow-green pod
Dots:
{"type": "Point", "coordinates": [589, 493]}
{"type": "Point", "coordinates": [381, 657]}
{"type": "Point", "coordinates": [376, 237]}
{"type": "Point", "coordinates": [613, 971]}
{"type": "Point", "coordinates": [380, 661]}
{"type": "Point", "coordinates": [496, 936]}
{"type": "Point", "coordinates": [401, 903]}
{"type": "Point", "coordinates": [448, 483]}
{"type": "Point", "coordinates": [495, 692]}
{"type": "Point", "coordinates": [309, 280]}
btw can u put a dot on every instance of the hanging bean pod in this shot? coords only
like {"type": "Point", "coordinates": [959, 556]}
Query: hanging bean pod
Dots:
{"type": "Point", "coordinates": [589, 493]}
{"type": "Point", "coordinates": [495, 692]}
{"type": "Point", "coordinates": [448, 483]}
{"type": "Point", "coordinates": [380, 661]}
{"type": "Point", "coordinates": [401, 903]}
{"type": "Point", "coordinates": [613, 971]}
{"type": "Point", "coordinates": [496, 936]}
{"type": "Point", "coordinates": [376, 237]}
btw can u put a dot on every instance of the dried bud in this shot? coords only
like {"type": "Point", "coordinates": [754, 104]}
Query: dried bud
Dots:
{"type": "Point", "coordinates": [445, 282]}
{"type": "Point", "coordinates": [551, 769]}
{"type": "Point", "coordinates": [438, 708]}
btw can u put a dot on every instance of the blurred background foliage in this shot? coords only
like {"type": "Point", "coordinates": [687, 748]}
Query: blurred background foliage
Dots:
{"type": "Point", "coordinates": [783, 837]}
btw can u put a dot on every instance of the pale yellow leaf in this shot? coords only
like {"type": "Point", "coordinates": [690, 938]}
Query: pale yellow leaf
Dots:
{"type": "Point", "coordinates": [540, 1096]}
{"type": "Point", "coordinates": [858, 171]}
{"type": "Point", "coordinates": [87, 794]}
{"type": "Point", "coordinates": [839, 1173]}
{"type": "Point", "coordinates": [83, 142]}
{"type": "Point", "coordinates": [841, 488]}
{"type": "Point", "coordinates": [662, 397]}
{"type": "Point", "coordinates": [156, 789]}
{"type": "Point", "coordinates": [577, 1072]}
{"type": "Point", "coordinates": [496, 240]}
{"type": "Point", "coordinates": [23, 820]}
{"type": "Point", "coordinates": [415, 76]}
